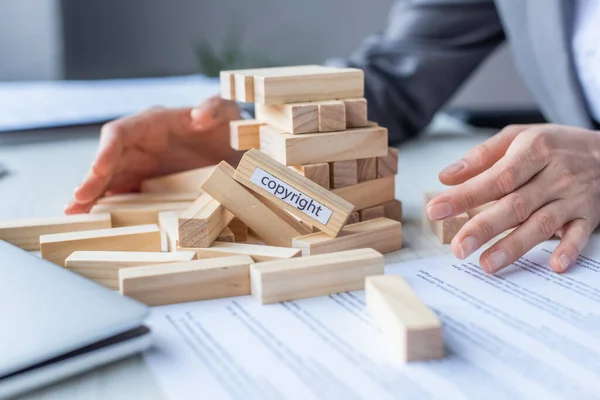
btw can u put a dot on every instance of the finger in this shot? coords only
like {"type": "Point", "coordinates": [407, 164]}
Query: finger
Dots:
{"type": "Point", "coordinates": [214, 111]}
{"type": "Point", "coordinates": [77, 208]}
{"type": "Point", "coordinates": [575, 236]}
{"type": "Point", "coordinates": [538, 228]}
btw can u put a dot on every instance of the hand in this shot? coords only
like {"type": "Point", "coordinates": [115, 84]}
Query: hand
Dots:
{"type": "Point", "coordinates": [156, 142]}
{"type": "Point", "coordinates": [546, 180]}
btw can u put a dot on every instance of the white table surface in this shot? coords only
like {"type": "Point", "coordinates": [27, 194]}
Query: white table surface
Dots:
{"type": "Point", "coordinates": [46, 166]}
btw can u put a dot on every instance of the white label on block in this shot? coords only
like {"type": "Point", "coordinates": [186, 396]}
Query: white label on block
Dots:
{"type": "Point", "coordinates": [293, 197]}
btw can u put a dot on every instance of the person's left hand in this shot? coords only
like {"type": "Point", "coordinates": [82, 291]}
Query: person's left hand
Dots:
{"type": "Point", "coordinates": [546, 180]}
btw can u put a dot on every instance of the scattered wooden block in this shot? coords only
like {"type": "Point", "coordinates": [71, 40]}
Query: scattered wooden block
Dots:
{"type": "Point", "coordinates": [413, 330]}
{"type": "Point", "coordinates": [156, 285]}
{"type": "Point", "coordinates": [367, 169]}
{"type": "Point", "coordinates": [295, 118]}
{"type": "Point", "coordinates": [322, 275]}
{"type": "Point", "coordinates": [344, 173]}
{"type": "Point", "coordinates": [26, 233]}
{"type": "Point", "coordinates": [354, 218]}
{"type": "Point", "coordinates": [244, 134]}
{"type": "Point", "coordinates": [270, 226]}
{"type": "Point", "coordinates": [332, 116]}
{"type": "Point", "coordinates": [147, 198]}
{"type": "Point", "coordinates": [258, 252]}
{"type": "Point", "coordinates": [393, 210]}
{"type": "Point", "coordinates": [369, 193]}
{"type": "Point", "coordinates": [318, 173]}
{"type": "Point", "coordinates": [57, 247]}
{"type": "Point", "coordinates": [239, 229]}
{"type": "Point", "coordinates": [169, 230]}
{"type": "Point", "coordinates": [314, 148]}
{"type": "Point", "coordinates": [226, 235]}
{"type": "Point", "coordinates": [388, 164]}
{"type": "Point", "coordinates": [292, 192]}
{"type": "Point", "coordinates": [381, 234]}
{"type": "Point", "coordinates": [227, 81]}
{"type": "Point", "coordinates": [446, 229]}
{"type": "Point", "coordinates": [372, 213]}
{"type": "Point", "coordinates": [186, 181]}
{"type": "Point", "coordinates": [202, 222]}
{"type": "Point", "coordinates": [137, 214]}
{"type": "Point", "coordinates": [356, 112]}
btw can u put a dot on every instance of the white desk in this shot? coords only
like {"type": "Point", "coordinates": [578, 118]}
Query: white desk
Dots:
{"type": "Point", "coordinates": [46, 166]}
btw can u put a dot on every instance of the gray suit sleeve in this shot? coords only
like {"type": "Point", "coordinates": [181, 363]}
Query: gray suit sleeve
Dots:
{"type": "Point", "coordinates": [426, 52]}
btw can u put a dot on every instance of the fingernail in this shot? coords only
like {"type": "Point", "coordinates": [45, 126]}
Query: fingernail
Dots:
{"type": "Point", "coordinates": [197, 112]}
{"type": "Point", "coordinates": [467, 246]}
{"type": "Point", "coordinates": [454, 168]}
{"type": "Point", "coordinates": [565, 261]}
{"type": "Point", "coordinates": [496, 260]}
{"type": "Point", "coordinates": [439, 211]}
{"type": "Point", "coordinates": [76, 189]}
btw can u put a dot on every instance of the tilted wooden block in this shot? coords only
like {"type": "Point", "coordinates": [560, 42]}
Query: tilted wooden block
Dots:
{"type": "Point", "coordinates": [367, 169]}
{"type": "Point", "coordinates": [57, 247]}
{"type": "Point", "coordinates": [244, 134]}
{"type": "Point", "coordinates": [314, 148]}
{"type": "Point", "coordinates": [369, 193]}
{"type": "Point", "coordinates": [214, 278]}
{"type": "Point", "coordinates": [169, 230]}
{"type": "Point", "coordinates": [202, 222]}
{"type": "Point", "coordinates": [256, 251]}
{"type": "Point", "coordinates": [356, 112]}
{"type": "Point", "coordinates": [186, 181]}
{"type": "Point", "coordinates": [322, 275]}
{"type": "Point", "coordinates": [446, 229]}
{"type": "Point", "coordinates": [146, 198]}
{"type": "Point", "coordinates": [226, 235]}
{"type": "Point", "coordinates": [372, 213]}
{"type": "Point", "coordinates": [393, 210]}
{"type": "Point", "coordinates": [388, 164]}
{"type": "Point", "coordinates": [332, 116]}
{"type": "Point", "coordinates": [412, 329]}
{"type": "Point", "coordinates": [270, 226]}
{"type": "Point", "coordinates": [137, 214]}
{"type": "Point", "coordinates": [344, 173]}
{"type": "Point", "coordinates": [295, 118]}
{"type": "Point", "coordinates": [239, 229]}
{"type": "Point", "coordinates": [293, 192]}
{"type": "Point", "coordinates": [381, 234]}
{"type": "Point", "coordinates": [26, 233]}
{"type": "Point", "coordinates": [318, 173]}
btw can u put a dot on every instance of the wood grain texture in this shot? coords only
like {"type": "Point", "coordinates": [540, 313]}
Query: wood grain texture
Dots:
{"type": "Point", "coordinates": [318, 173]}
{"type": "Point", "coordinates": [313, 276]}
{"type": "Point", "coordinates": [201, 223]}
{"type": "Point", "coordinates": [343, 173]}
{"type": "Point", "coordinates": [413, 330]}
{"type": "Point", "coordinates": [295, 118]}
{"type": "Point", "coordinates": [314, 148]}
{"type": "Point", "coordinates": [370, 193]}
{"type": "Point", "coordinates": [388, 164]}
{"type": "Point", "coordinates": [226, 235]}
{"type": "Point", "coordinates": [244, 134]}
{"type": "Point", "coordinates": [169, 230]}
{"type": "Point", "coordinates": [367, 169]}
{"type": "Point", "coordinates": [372, 213]}
{"type": "Point", "coordinates": [147, 198]}
{"type": "Point", "coordinates": [239, 230]}
{"type": "Point", "coordinates": [393, 210]}
{"type": "Point", "coordinates": [156, 285]}
{"type": "Point", "coordinates": [186, 181]}
{"type": "Point", "coordinates": [356, 112]}
{"type": "Point", "coordinates": [137, 214]}
{"type": "Point", "coordinates": [332, 116]}
{"type": "Point", "coordinates": [256, 251]}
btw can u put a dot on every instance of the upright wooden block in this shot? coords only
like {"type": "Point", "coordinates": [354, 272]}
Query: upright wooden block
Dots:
{"type": "Point", "coordinates": [137, 214]}
{"type": "Point", "coordinates": [381, 234]}
{"type": "Point", "coordinates": [244, 134]}
{"type": "Point", "coordinates": [148, 198]}
{"type": "Point", "coordinates": [26, 233]}
{"type": "Point", "coordinates": [388, 164]}
{"type": "Point", "coordinates": [202, 222]}
{"type": "Point", "coordinates": [318, 173]}
{"type": "Point", "coordinates": [227, 81]}
{"type": "Point", "coordinates": [226, 235]}
{"type": "Point", "coordinates": [295, 118]}
{"type": "Point", "coordinates": [293, 192]}
{"type": "Point", "coordinates": [322, 275]}
{"type": "Point", "coordinates": [57, 247]}
{"type": "Point", "coordinates": [195, 280]}
{"type": "Point", "coordinates": [393, 210]}
{"type": "Point", "coordinates": [169, 230]}
{"type": "Point", "coordinates": [412, 329]}
{"type": "Point", "coordinates": [344, 173]}
{"type": "Point", "coordinates": [446, 229]}
{"type": "Point", "coordinates": [372, 213]}
{"type": "Point", "coordinates": [367, 169]}
{"type": "Point", "coordinates": [356, 112]}
{"type": "Point", "coordinates": [186, 181]}
{"type": "Point", "coordinates": [258, 252]}
{"type": "Point", "coordinates": [370, 193]}
{"type": "Point", "coordinates": [270, 226]}
{"type": "Point", "coordinates": [314, 148]}
{"type": "Point", "coordinates": [332, 116]}
{"type": "Point", "coordinates": [239, 229]}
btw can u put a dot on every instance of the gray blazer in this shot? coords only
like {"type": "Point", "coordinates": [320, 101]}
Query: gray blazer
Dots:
{"type": "Point", "coordinates": [430, 47]}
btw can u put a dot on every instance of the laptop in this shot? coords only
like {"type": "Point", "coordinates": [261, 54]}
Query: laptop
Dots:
{"type": "Point", "coordinates": [55, 324]}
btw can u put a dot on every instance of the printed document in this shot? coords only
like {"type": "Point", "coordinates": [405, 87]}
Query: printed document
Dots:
{"type": "Point", "coordinates": [526, 333]}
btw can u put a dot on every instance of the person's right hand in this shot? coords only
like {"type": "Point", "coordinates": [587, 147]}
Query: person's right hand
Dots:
{"type": "Point", "coordinates": [156, 142]}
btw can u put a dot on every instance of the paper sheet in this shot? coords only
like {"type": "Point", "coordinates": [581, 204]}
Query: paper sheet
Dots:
{"type": "Point", "coordinates": [526, 333]}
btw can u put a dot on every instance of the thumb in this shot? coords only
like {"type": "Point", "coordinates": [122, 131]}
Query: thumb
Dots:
{"type": "Point", "coordinates": [214, 111]}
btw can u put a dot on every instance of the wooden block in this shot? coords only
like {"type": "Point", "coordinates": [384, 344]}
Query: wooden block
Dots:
{"type": "Point", "coordinates": [202, 222]}
{"type": "Point", "coordinates": [295, 118]}
{"type": "Point", "coordinates": [413, 330]}
{"type": "Point", "coordinates": [354, 218]}
{"type": "Point", "coordinates": [186, 181]}
{"type": "Point", "coordinates": [367, 169]}
{"type": "Point", "coordinates": [381, 234]}
{"type": "Point", "coordinates": [57, 247]}
{"type": "Point", "coordinates": [227, 81]}
{"type": "Point", "coordinates": [344, 173]}
{"type": "Point", "coordinates": [332, 116]}
{"type": "Point", "coordinates": [137, 214]}
{"type": "Point", "coordinates": [270, 226]}
{"type": "Point", "coordinates": [26, 233]}
{"type": "Point", "coordinates": [112, 284]}
{"type": "Point", "coordinates": [258, 252]}
{"type": "Point", "coordinates": [446, 229]}
{"type": "Point", "coordinates": [156, 285]}
{"type": "Point", "coordinates": [356, 113]}
{"type": "Point", "coordinates": [239, 230]}
{"type": "Point", "coordinates": [314, 148]}
{"type": "Point", "coordinates": [318, 173]}
{"type": "Point", "coordinates": [244, 87]}
{"type": "Point", "coordinates": [169, 230]}
{"type": "Point", "coordinates": [393, 210]}
{"type": "Point", "coordinates": [145, 198]}
{"type": "Point", "coordinates": [293, 192]}
{"type": "Point", "coordinates": [226, 235]}
{"type": "Point", "coordinates": [321, 275]}
{"type": "Point", "coordinates": [244, 134]}
{"type": "Point", "coordinates": [372, 213]}
{"type": "Point", "coordinates": [388, 164]}
{"type": "Point", "coordinates": [369, 193]}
